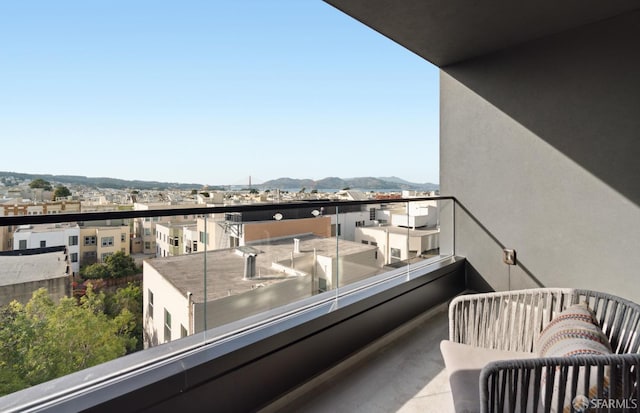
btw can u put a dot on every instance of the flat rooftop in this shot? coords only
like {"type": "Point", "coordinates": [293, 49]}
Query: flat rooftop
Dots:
{"type": "Point", "coordinates": [225, 268]}
{"type": "Point", "coordinates": [45, 227]}
{"type": "Point", "coordinates": [400, 230]}
{"type": "Point", "coordinates": [29, 268]}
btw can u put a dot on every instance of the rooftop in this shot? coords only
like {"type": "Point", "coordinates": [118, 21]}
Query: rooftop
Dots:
{"type": "Point", "coordinates": [225, 268]}
{"type": "Point", "coordinates": [28, 268]}
{"type": "Point", "coordinates": [402, 231]}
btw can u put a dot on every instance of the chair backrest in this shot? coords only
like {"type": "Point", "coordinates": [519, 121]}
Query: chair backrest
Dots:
{"type": "Point", "coordinates": [619, 319]}
{"type": "Point", "coordinates": [513, 320]}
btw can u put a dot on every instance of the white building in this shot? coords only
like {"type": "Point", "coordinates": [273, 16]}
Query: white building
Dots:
{"type": "Point", "coordinates": [244, 281]}
{"type": "Point", "coordinates": [144, 229]}
{"type": "Point", "coordinates": [170, 238]}
{"type": "Point", "coordinates": [413, 232]}
{"type": "Point", "coordinates": [50, 235]}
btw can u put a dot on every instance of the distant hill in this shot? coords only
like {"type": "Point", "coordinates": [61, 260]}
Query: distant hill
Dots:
{"type": "Point", "coordinates": [329, 183]}
{"type": "Point", "coordinates": [102, 182]}
{"type": "Point", "coordinates": [363, 183]}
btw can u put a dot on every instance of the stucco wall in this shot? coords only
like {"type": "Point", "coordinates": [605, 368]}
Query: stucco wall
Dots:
{"type": "Point", "coordinates": [22, 292]}
{"type": "Point", "coordinates": [320, 226]}
{"type": "Point", "coordinates": [540, 144]}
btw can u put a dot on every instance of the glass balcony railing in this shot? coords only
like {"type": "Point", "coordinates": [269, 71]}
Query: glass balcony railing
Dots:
{"type": "Point", "coordinates": [80, 289]}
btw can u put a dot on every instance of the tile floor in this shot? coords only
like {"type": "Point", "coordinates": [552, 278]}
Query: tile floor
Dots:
{"type": "Point", "coordinates": [402, 372]}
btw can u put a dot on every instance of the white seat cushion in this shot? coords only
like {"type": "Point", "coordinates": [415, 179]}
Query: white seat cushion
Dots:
{"type": "Point", "coordinates": [463, 363]}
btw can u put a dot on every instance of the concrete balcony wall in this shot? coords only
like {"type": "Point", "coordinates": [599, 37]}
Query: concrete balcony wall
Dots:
{"type": "Point", "coordinates": [540, 145]}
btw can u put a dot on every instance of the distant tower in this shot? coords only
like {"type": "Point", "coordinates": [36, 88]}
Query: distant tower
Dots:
{"type": "Point", "coordinates": [249, 182]}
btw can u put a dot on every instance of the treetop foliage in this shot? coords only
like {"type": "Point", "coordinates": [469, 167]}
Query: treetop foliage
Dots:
{"type": "Point", "coordinates": [117, 265]}
{"type": "Point", "coordinates": [42, 340]}
{"type": "Point", "coordinates": [40, 183]}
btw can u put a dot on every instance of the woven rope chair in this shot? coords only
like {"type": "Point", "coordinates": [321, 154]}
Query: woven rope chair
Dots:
{"type": "Point", "coordinates": [512, 321]}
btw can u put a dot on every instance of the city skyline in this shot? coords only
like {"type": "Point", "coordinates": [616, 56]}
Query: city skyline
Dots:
{"type": "Point", "coordinates": [212, 93]}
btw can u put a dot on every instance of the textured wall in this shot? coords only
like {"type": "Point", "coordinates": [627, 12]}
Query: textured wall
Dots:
{"type": "Point", "coordinates": [540, 144]}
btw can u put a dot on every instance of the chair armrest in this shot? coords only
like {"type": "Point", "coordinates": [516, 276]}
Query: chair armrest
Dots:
{"type": "Point", "coordinates": [558, 380]}
{"type": "Point", "coordinates": [510, 320]}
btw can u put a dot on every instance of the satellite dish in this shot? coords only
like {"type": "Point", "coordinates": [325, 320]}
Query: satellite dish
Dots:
{"type": "Point", "coordinates": [278, 216]}
{"type": "Point", "coordinates": [315, 212]}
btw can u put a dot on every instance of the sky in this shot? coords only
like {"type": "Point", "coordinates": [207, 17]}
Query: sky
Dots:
{"type": "Point", "coordinates": [210, 92]}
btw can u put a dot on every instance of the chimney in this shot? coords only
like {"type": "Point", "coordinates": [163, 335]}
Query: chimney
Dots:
{"type": "Point", "coordinates": [249, 266]}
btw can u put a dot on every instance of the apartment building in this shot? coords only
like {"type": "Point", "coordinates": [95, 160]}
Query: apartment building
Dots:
{"type": "Point", "coordinates": [174, 239]}
{"type": "Point", "coordinates": [19, 207]}
{"type": "Point", "coordinates": [16, 208]}
{"type": "Point", "coordinates": [144, 229]}
{"type": "Point", "coordinates": [244, 281]}
{"type": "Point", "coordinates": [98, 242]}
{"type": "Point", "coordinates": [50, 235]}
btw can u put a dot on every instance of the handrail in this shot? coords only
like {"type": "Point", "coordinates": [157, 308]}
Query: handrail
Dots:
{"type": "Point", "coordinates": [95, 216]}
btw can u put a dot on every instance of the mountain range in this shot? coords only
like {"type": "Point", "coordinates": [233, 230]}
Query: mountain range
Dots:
{"type": "Point", "coordinates": [330, 183]}
{"type": "Point", "coordinates": [363, 183]}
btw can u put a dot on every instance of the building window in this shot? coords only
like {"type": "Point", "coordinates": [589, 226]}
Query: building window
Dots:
{"type": "Point", "coordinates": [395, 255]}
{"type": "Point", "coordinates": [150, 306]}
{"type": "Point", "coordinates": [147, 245]}
{"type": "Point", "coordinates": [372, 214]}
{"type": "Point", "coordinates": [106, 241]}
{"type": "Point", "coordinates": [147, 232]}
{"type": "Point", "coordinates": [105, 255]}
{"type": "Point", "coordinates": [195, 246]}
{"type": "Point", "coordinates": [175, 241]}
{"type": "Point", "coordinates": [73, 240]}
{"type": "Point", "coordinates": [74, 256]}
{"type": "Point", "coordinates": [123, 250]}
{"type": "Point", "coordinates": [22, 244]}
{"type": "Point", "coordinates": [375, 244]}
{"type": "Point", "coordinates": [202, 237]}
{"type": "Point", "coordinates": [365, 242]}
{"type": "Point", "coordinates": [43, 244]}
{"type": "Point", "coordinates": [123, 237]}
{"type": "Point", "coordinates": [167, 326]}
{"type": "Point", "coordinates": [89, 255]}
{"type": "Point", "coordinates": [90, 240]}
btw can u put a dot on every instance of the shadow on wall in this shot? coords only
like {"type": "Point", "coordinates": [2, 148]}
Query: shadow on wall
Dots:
{"type": "Point", "coordinates": [578, 91]}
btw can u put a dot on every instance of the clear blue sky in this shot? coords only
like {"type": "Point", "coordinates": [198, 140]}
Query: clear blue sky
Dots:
{"type": "Point", "coordinates": [210, 92]}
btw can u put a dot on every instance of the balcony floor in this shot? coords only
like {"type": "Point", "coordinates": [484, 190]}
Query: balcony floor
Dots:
{"type": "Point", "coordinates": [401, 372]}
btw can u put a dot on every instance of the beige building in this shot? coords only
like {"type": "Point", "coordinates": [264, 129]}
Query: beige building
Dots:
{"type": "Point", "coordinates": [244, 281]}
{"type": "Point", "coordinates": [39, 208]}
{"type": "Point", "coordinates": [144, 229]}
{"type": "Point", "coordinates": [97, 243]}
{"type": "Point", "coordinates": [225, 231]}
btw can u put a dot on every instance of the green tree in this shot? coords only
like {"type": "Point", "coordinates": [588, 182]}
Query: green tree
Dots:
{"type": "Point", "coordinates": [117, 265]}
{"type": "Point", "coordinates": [253, 191]}
{"type": "Point", "coordinates": [94, 271]}
{"type": "Point", "coordinates": [128, 298]}
{"type": "Point", "coordinates": [61, 192]}
{"type": "Point", "coordinates": [120, 265]}
{"type": "Point", "coordinates": [42, 340]}
{"type": "Point", "coordinates": [40, 183]}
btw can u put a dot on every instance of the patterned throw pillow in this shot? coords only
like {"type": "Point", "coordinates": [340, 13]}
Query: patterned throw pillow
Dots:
{"type": "Point", "coordinates": [574, 332]}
